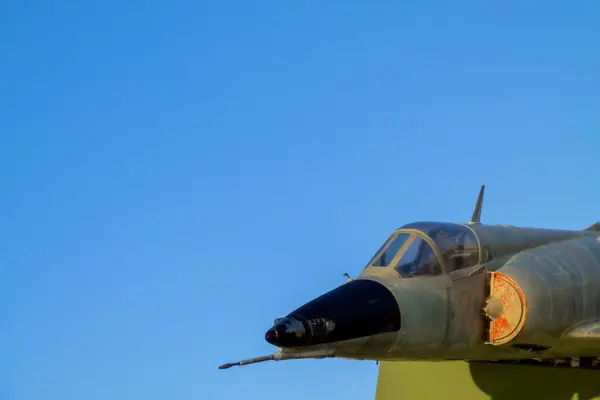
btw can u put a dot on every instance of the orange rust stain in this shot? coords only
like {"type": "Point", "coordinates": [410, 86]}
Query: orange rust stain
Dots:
{"type": "Point", "coordinates": [510, 323]}
{"type": "Point", "coordinates": [500, 326]}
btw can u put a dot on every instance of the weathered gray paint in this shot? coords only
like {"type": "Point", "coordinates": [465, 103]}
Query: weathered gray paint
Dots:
{"type": "Point", "coordinates": [505, 240]}
{"type": "Point", "coordinates": [562, 284]}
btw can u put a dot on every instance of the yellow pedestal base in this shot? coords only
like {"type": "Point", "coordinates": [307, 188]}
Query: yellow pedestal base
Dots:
{"type": "Point", "coordinates": [476, 381]}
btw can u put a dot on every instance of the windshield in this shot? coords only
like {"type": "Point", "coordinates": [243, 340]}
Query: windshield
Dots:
{"type": "Point", "coordinates": [409, 254]}
{"type": "Point", "coordinates": [390, 249]}
{"type": "Point", "coordinates": [418, 259]}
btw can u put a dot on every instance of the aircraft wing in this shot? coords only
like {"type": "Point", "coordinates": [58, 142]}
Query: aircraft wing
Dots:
{"type": "Point", "coordinates": [587, 330]}
{"type": "Point", "coordinates": [593, 228]}
{"type": "Point", "coordinates": [585, 335]}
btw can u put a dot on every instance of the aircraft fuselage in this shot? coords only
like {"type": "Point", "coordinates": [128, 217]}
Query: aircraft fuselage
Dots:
{"type": "Point", "coordinates": [447, 291]}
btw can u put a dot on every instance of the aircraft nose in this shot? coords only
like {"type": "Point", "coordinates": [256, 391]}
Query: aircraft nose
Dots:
{"type": "Point", "coordinates": [286, 330]}
{"type": "Point", "coordinates": [359, 308]}
{"type": "Point", "coordinates": [272, 335]}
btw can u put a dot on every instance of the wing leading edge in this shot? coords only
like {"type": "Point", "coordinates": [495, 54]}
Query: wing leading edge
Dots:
{"type": "Point", "coordinates": [586, 331]}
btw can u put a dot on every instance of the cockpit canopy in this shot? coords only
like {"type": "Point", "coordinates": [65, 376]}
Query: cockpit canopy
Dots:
{"type": "Point", "coordinates": [428, 248]}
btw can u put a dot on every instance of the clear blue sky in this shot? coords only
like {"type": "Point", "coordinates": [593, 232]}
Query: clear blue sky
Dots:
{"type": "Point", "coordinates": [175, 175]}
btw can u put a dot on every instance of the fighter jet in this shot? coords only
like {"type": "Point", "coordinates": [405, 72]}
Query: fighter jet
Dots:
{"type": "Point", "coordinates": [457, 291]}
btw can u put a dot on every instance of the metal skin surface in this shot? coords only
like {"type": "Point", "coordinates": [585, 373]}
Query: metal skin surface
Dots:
{"type": "Point", "coordinates": [443, 291]}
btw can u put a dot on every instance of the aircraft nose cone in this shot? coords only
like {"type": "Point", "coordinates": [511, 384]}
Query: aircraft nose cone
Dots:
{"type": "Point", "coordinates": [359, 308]}
{"type": "Point", "coordinates": [285, 332]}
{"type": "Point", "coordinates": [271, 336]}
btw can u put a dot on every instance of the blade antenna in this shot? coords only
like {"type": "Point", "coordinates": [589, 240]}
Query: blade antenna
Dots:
{"type": "Point", "coordinates": [476, 218]}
